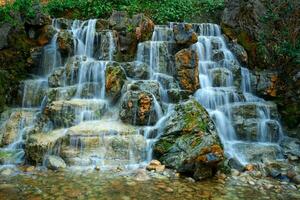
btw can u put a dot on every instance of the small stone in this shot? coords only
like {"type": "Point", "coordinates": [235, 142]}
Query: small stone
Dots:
{"type": "Point", "coordinates": [235, 172]}
{"type": "Point", "coordinates": [97, 168]}
{"type": "Point", "coordinates": [155, 162]}
{"type": "Point", "coordinates": [29, 168]}
{"type": "Point", "coordinates": [190, 179]}
{"type": "Point", "coordinates": [251, 182]}
{"type": "Point", "coordinates": [249, 167]}
{"type": "Point", "coordinates": [168, 189]}
{"type": "Point", "coordinates": [292, 158]}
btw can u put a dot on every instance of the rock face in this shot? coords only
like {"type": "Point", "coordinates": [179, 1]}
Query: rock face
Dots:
{"type": "Point", "coordinates": [243, 22]}
{"type": "Point", "coordinates": [187, 72]}
{"type": "Point", "coordinates": [138, 108]}
{"type": "Point", "coordinates": [65, 43]}
{"type": "Point", "coordinates": [184, 34]}
{"type": "Point", "coordinates": [130, 31]}
{"type": "Point", "coordinates": [190, 143]}
{"type": "Point", "coordinates": [114, 81]}
{"type": "Point", "coordinates": [4, 31]}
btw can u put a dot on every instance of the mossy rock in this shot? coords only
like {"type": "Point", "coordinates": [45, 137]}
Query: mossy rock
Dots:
{"type": "Point", "coordinates": [189, 142]}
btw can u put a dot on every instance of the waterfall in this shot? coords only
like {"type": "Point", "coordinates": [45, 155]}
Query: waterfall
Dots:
{"type": "Point", "coordinates": [224, 100]}
{"type": "Point", "coordinates": [73, 86]}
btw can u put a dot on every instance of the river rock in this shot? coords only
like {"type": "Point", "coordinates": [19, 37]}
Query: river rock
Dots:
{"type": "Point", "coordinates": [137, 108]}
{"type": "Point", "coordinates": [114, 81]}
{"type": "Point", "coordinates": [156, 166]}
{"type": "Point", "coordinates": [189, 142]}
{"type": "Point", "coordinates": [55, 162]}
{"type": "Point", "coordinates": [187, 73]}
{"type": "Point", "coordinates": [184, 34]}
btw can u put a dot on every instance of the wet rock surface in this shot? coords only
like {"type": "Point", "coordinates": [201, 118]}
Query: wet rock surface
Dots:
{"type": "Point", "coordinates": [184, 34]}
{"type": "Point", "coordinates": [190, 143]}
{"type": "Point", "coordinates": [137, 108]}
{"type": "Point", "coordinates": [187, 72]}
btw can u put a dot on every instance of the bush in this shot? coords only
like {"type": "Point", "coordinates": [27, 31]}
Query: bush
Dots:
{"type": "Point", "coordinates": [23, 7]}
{"type": "Point", "coordinates": [161, 11]}
{"type": "Point", "coordinates": [279, 41]}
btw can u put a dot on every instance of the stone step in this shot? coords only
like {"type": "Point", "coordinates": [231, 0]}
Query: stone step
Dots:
{"type": "Point", "coordinates": [256, 152]}
{"type": "Point", "coordinates": [216, 97]}
{"type": "Point", "coordinates": [221, 77]}
{"type": "Point", "coordinates": [71, 112]}
{"type": "Point", "coordinates": [33, 92]}
{"type": "Point", "coordinates": [84, 90]}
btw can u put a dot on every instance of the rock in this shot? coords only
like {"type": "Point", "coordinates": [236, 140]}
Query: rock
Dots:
{"type": "Point", "coordinates": [130, 31]}
{"type": "Point", "coordinates": [184, 34]}
{"type": "Point", "coordinates": [114, 81]}
{"type": "Point", "coordinates": [155, 165]}
{"type": "Point", "coordinates": [189, 143]}
{"type": "Point", "coordinates": [266, 83]}
{"type": "Point", "coordinates": [151, 86]}
{"type": "Point", "coordinates": [239, 52]}
{"type": "Point", "coordinates": [235, 172]}
{"type": "Point", "coordinates": [177, 95]}
{"type": "Point", "coordinates": [64, 113]}
{"type": "Point", "coordinates": [63, 23]}
{"type": "Point", "coordinates": [136, 70]}
{"type": "Point", "coordinates": [10, 129]}
{"type": "Point", "coordinates": [296, 179]}
{"type": "Point", "coordinates": [37, 145]}
{"type": "Point", "coordinates": [39, 18]}
{"type": "Point", "coordinates": [187, 73]}
{"type": "Point", "coordinates": [55, 162]}
{"type": "Point", "coordinates": [46, 34]}
{"type": "Point", "coordinates": [138, 108]}
{"type": "Point", "coordinates": [234, 163]}
{"type": "Point", "coordinates": [249, 167]}
{"type": "Point", "coordinates": [65, 43]}
{"type": "Point", "coordinates": [4, 31]}
{"type": "Point", "coordinates": [141, 175]}
{"type": "Point", "coordinates": [102, 25]}
{"type": "Point", "coordinates": [7, 172]}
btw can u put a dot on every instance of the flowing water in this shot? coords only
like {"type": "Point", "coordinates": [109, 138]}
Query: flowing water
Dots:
{"type": "Point", "coordinates": [97, 135]}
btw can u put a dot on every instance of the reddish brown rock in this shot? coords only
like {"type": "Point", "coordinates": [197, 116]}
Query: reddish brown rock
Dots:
{"type": "Point", "coordinates": [187, 73]}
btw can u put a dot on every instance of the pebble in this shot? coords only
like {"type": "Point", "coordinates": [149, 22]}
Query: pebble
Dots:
{"type": "Point", "coordinates": [251, 182]}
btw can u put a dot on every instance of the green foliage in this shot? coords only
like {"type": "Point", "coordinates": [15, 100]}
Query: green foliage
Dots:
{"type": "Point", "coordinates": [161, 11]}
{"type": "Point", "coordinates": [25, 8]}
{"type": "Point", "coordinates": [279, 42]}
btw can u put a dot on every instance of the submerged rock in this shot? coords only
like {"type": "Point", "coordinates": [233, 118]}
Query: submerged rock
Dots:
{"type": "Point", "coordinates": [55, 162]}
{"type": "Point", "coordinates": [187, 72]}
{"type": "Point", "coordinates": [138, 108]}
{"type": "Point", "coordinates": [190, 143]}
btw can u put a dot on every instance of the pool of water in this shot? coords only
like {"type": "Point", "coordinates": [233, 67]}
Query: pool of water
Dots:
{"type": "Point", "coordinates": [124, 186]}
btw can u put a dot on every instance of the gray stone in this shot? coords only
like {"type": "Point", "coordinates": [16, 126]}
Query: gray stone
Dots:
{"type": "Point", "coordinates": [55, 162]}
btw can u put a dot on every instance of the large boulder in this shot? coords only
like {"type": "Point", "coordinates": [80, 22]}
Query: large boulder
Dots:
{"type": "Point", "coordinates": [114, 80]}
{"type": "Point", "coordinates": [184, 34]}
{"type": "Point", "coordinates": [189, 142]}
{"type": "Point", "coordinates": [187, 73]}
{"type": "Point", "coordinates": [138, 108]}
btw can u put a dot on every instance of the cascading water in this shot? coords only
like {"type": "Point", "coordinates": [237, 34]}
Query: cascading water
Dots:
{"type": "Point", "coordinates": [74, 87]}
{"type": "Point", "coordinates": [223, 98]}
